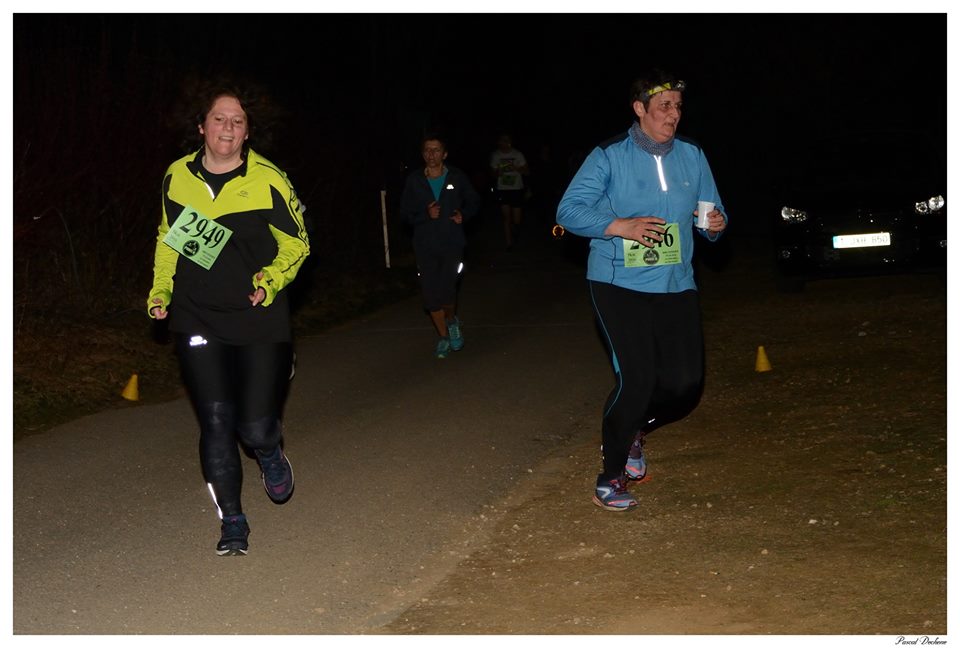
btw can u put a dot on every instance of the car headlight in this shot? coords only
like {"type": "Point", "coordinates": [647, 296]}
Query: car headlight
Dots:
{"type": "Point", "coordinates": [791, 215]}
{"type": "Point", "coordinates": [930, 206]}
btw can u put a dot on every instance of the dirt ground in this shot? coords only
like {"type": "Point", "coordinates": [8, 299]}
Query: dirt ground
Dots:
{"type": "Point", "coordinates": [806, 500]}
{"type": "Point", "coordinates": [809, 499]}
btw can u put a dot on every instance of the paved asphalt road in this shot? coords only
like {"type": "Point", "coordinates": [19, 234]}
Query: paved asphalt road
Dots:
{"type": "Point", "coordinates": [398, 458]}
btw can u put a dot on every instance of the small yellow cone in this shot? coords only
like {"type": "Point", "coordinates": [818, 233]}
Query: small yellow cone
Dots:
{"type": "Point", "coordinates": [763, 364]}
{"type": "Point", "coordinates": [132, 391]}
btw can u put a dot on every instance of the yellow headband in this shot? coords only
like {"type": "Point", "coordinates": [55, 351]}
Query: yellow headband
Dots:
{"type": "Point", "coordinates": [663, 87]}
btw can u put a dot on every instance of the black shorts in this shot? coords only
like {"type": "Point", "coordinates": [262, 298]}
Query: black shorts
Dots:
{"type": "Point", "coordinates": [511, 197]}
{"type": "Point", "coordinates": [439, 273]}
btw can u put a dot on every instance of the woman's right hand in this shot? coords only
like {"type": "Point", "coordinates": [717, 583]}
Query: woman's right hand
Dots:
{"type": "Point", "coordinates": [644, 229]}
{"type": "Point", "coordinates": [159, 312]}
{"type": "Point", "coordinates": [433, 210]}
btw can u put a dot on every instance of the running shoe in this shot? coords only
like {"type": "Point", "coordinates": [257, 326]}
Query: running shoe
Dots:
{"type": "Point", "coordinates": [443, 348]}
{"type": "Point", "coordinates": [233, 536]}
{"type": "Point", "coordinates": [611, 494]}
{"type": "Point", "coordinates": [636, 468]}
{"type": "Point", "coordinates": [277, 474]}
{"type": "Point", "coordinates": [456, 336]}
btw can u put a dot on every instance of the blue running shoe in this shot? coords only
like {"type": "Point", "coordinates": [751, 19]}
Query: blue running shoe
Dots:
{"type": "Point", "coordinates": [233, 536]}
{"type": "Point", "coordinates": [611, 494]}
{"type": "Point", "coordinates": [277, 474]}
{"type": "Point", "coordinates": [456, 335]}
{"type": "Point", "coordinates": [636, 468]}
{"type": "Point", "coordinates": [443, 348]}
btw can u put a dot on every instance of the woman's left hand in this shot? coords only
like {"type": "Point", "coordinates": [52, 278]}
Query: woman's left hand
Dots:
{"type": "Point", "coordinates": [259, 294]}
{"type": "Point", "coordinates": [457, 217]}
{"type": "Point", "coordinates": [717, 222]}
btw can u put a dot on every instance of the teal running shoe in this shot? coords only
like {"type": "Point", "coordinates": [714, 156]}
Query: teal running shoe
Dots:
{"type": "Point", "coordinates": [443, 348]}
{"type": "Point", "coordinates": [456, 335]}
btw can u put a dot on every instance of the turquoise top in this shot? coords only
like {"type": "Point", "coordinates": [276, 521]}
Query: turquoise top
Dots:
{"type": "Point", "coordinates": [437, 184]}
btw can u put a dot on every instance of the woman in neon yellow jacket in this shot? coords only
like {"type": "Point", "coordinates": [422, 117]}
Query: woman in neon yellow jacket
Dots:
{"type": "Point", "coordinates": [231, 238]}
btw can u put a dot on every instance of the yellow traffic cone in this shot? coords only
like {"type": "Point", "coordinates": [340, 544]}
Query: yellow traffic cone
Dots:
{"type": "Point", "coordinates": [132, 391]}
{"type": "Point", "coordinates": [763, 364]}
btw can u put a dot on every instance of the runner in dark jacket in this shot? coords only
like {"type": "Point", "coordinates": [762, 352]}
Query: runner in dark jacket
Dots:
{"type": "Point", "coordinates": [436, 202]}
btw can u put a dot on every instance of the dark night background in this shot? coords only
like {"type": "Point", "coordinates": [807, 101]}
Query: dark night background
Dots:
{"type": "Point", "coordinates": [93, 95]}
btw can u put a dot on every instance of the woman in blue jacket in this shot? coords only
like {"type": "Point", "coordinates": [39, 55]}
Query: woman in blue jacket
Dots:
{"type": "Point", "coordinates": [635, 197]}
{"type": "Point", "coordinates": [436, 202]}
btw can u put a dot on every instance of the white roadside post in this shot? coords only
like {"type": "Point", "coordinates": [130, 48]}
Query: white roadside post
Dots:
{"type": "Point", "coordinates": [386, 239]}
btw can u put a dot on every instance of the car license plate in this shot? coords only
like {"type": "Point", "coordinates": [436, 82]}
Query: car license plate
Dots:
{"type": "Point", "coordinates": [874, 239]}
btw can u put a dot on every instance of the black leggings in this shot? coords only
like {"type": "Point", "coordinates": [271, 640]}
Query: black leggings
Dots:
{"type": "Point", "coordinates": [656, 346]}
{"type": "Point", "coordinates": [238, 393]}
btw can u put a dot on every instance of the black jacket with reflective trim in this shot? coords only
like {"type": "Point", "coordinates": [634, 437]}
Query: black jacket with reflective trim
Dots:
{"type": "Point", "coordinates": [260, 207]}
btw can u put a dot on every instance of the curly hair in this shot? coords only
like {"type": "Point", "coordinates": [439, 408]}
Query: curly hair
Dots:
{"type": "Point", "coordinates": [198, 95]}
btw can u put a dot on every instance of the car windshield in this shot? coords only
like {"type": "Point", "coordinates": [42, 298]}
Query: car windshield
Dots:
{"type": "Point", "coordinates": [876, 160]}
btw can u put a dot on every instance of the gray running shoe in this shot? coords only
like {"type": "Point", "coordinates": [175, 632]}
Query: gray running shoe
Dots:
{"type": "Point", "coordinates": [636, 468]}
{"type": "Point", "coordinates": [612, 495]}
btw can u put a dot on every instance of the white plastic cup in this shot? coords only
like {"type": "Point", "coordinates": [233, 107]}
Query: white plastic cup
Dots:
{"type": "Point", "coordinates": [704, 208]}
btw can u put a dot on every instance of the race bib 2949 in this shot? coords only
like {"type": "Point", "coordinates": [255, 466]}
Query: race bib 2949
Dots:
{"type": "Point", "coordinates": [197, 237]}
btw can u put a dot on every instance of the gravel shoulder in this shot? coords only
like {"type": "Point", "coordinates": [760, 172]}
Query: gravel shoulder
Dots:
{"type": "Point", "coordinates": [810, 499]}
